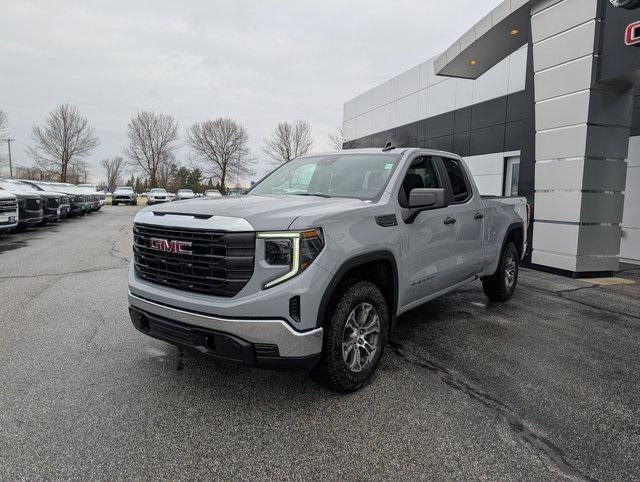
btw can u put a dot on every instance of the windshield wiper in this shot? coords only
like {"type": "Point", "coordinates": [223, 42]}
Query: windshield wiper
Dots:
{"type": "Point", "coordinates": [318, 194]}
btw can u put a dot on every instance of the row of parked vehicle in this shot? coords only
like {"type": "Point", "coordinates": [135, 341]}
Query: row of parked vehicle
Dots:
{"type": "Point", "coordinates": [126, 195]}
{"type": "Point", "coordinates": [25, 203]}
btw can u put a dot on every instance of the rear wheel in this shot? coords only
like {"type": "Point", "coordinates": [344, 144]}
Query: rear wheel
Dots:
{"type": "Point", "coordinates": [355, 337]}
{"type": "Point", "coordinates": [501, 285]}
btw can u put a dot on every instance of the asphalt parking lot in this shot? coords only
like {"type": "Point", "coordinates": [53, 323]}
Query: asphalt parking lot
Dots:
{"type": "Point", "coordinates": [544, 387]}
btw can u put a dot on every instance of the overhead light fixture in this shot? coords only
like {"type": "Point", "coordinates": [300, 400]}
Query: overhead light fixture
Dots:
{"type": "Point", "coordinates": [514, 32]}
{"type": "Point", "coordinates": [473, 62]}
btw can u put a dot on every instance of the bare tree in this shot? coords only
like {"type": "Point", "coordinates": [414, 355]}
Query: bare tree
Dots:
{"type": "Point", "coordinates": [288, 141]}
{"type": "Point", "coordinates": [78, 171]}
{"type": "Point", "coordinates": [152, 138]}
{"type": "Point", "coordinates": [114, 168]}
{"type": "Point", "coordinates": [65, 138]}
{"type": "Point", "coordinates": [336, 139]}
{"type": "Point", "coordinates": [222, 145]}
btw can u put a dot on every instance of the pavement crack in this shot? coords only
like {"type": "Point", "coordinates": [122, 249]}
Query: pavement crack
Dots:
{"type": "Point", "coordinates": [561, 294]}
{"type": "Point", "coordinates": [555, 458]}
{"type": "Point", "coordinates": [65, 273]}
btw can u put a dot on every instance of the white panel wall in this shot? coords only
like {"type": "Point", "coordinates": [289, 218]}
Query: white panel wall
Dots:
{"type": "Point", "coordinates": [419, 93]}
{"type": "Point", "coordinates": [630, 246]}
{"type": "Point", "coordinates": [488, 171]}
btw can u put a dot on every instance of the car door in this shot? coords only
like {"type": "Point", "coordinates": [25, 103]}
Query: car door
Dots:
{"type": "Point", "coordinates": [429, 257]}
{"type": "Point", "coordinates": [467, 212]}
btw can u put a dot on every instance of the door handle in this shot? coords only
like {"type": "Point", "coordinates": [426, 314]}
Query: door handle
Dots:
{"type": "Point", "coordinates": [448, 221]}
{"type": "Point", "coordinates": [478, 216]}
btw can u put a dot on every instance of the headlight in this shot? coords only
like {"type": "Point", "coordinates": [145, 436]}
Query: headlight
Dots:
{"type": "Point", "coordinates": [297, 250]}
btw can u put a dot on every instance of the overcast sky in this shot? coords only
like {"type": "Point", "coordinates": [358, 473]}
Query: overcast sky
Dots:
{"type": "Point", "coordinates": [258, 62]}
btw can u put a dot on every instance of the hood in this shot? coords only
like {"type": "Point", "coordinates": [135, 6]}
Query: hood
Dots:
{"type": "Point", "coordinates": [24, 195]}
{"type": "Point", "coordinates": [264, 213]}
{"type": "Point", "coordinates": [49, 194]}
{"type": "Point", "coordinates": [6, 195]}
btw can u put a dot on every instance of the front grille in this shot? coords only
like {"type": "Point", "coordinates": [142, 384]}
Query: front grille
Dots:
{"type": "Point", "coordinates": [220, 263]}
{"type": "Point", "coordinates": [52, 203]}
{"type": "Point", "coordinates": [8, 206]}
{"type": "Point", "coordinates": [33, 204]}
{"type": "Point", "coordinates": [64, 200]}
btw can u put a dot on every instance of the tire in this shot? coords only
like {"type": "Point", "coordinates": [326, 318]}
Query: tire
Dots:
{"type": "Point", "coordinates": [502, 284]}
{"type": "Point", "coordinates": [348, 371]}
{"type": "Point", "coordinates": [114, 203]}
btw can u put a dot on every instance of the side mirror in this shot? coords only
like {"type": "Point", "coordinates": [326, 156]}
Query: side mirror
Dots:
{"type": "Point", "coordinates": [426, 198]}
{"type": "Point", "coordinates": [421, 199]}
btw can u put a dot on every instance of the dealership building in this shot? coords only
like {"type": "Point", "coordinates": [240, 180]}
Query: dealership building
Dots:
{"type": "Point", "coordinates": [542, 99]}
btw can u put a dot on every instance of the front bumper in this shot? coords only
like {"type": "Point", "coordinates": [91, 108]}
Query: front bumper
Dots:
{"type": "Point", "coordinates": [264, 342]}
{"type": "Point", "coordinates": [30, 217]}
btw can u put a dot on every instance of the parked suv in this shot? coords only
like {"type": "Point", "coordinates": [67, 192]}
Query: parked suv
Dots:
{"type": "Point", "coordinates": [182, 194]}
{"type": "Point", "coordinates": [157, 195]}
{"type": "Point", "coordinates": [312, 267]}
{"type": "Point", "coordinates": [30, 204]}
{"type": "Point", "coordinates": [124, 195]}
{"type": "Point", "coordinates": [8, 211]}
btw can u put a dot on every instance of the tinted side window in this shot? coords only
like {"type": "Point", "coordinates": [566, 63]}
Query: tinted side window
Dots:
{"type": "Point", "coordinates": [421, 174]}
{"type": "Point", "coordinates": [461, 190]}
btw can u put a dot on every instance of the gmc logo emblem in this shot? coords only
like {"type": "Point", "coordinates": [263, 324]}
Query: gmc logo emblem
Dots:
{"type": "Point", "coordinates": [632, 36]}
{"type": "Point", "coordinates": [164, 245]}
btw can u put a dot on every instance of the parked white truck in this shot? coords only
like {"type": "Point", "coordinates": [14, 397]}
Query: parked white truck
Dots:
{"type": "Point", "coordinates": [312, 267]}
{"type": "Point", "coordinates": [8, 211]}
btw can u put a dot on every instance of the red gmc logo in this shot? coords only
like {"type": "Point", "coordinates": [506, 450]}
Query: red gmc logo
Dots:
{"type": "Point", "coordinates": [632, 36]}
{"type": "Point", "coordinates": [179, 247]}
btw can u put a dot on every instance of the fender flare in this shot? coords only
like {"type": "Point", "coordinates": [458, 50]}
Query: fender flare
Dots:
{"type": "Point", "coordinates": [338, 276]}
{"type": "Point", "coordinates": [513, 227]}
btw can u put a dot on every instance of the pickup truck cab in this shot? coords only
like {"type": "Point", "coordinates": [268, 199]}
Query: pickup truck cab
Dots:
{"type": "Point", "coordinates": [312, 267]}
{"type": "Point", "coordinates": [8, 211]}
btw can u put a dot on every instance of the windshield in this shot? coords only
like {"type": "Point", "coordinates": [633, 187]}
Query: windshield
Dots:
{"type": "Point", "coordinates": [14, 187]}
{"type": "Point", "coordinates": [162, 191]}
{"type": "Point", "coordinates": [27, 187]}
{"type": "Point", "coordinates": [65, 188]}
{"type": "Point", "coordinates": [185, 191]}
{"type": "Point", "coordinates": [124, 189]}
{"type": "Point", "coordinates": [45, 187]}
{"type": "Point", "coordinates": [360, 176]}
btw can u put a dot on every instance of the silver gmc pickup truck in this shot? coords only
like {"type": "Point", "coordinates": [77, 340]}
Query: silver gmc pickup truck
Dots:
{"type": "Point", "coordinates": [312, 267]}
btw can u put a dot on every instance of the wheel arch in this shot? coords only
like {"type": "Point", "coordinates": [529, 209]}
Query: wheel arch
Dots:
{"type": "Point", "coordinates": [375, 267]}
{"type": "Point", "coordinates": [515, 233]}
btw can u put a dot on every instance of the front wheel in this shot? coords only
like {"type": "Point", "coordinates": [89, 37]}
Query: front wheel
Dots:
{"type": "Point", "coordinates": [355, 337]}
{"type": "Point", "coordinates": [501, 285]}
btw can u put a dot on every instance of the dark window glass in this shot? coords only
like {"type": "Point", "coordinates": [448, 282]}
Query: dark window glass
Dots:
{"type": "Point", "coordinates": [458, 181]}
{"type": "Point", "coordinates": [421, 174]}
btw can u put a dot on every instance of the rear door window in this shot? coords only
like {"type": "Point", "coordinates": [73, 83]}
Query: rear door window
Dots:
{"type": "Point", "coordinates": [459, 184]}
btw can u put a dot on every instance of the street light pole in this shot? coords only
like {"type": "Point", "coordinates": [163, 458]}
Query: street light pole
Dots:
{"type": "Point", "coordinates": [9, 141]}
